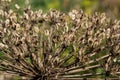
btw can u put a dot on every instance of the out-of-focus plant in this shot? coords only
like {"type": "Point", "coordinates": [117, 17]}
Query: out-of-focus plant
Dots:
{"type": "Point", "coordinates": [55, 45]}
{"type": "Point", "coordinates": [89, 6]}
{"type": "Point", "coordinates": [112, 8]}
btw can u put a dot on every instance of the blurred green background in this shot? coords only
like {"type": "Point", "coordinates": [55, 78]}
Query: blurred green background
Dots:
{"type": "Point", "coordinates": [110, 7]}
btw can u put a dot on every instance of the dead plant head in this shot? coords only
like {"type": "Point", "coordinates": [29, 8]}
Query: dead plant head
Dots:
{"type": "Point", "coordinates": [56, 45]}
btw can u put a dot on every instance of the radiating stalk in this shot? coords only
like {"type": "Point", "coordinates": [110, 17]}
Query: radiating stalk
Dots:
{"type": "Point", "coordinates": [87, 63]}
{"type": "Point", "coordinates": [82, 69]}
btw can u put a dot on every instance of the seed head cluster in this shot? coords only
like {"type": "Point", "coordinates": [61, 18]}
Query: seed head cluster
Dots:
{"type": "Point", "coordinates": [53, 45]}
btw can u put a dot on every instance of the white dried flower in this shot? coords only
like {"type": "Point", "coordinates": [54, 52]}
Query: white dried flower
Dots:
{"type": "Point", "coordinates": [13, 17]}
{"type": "Point", "coordinates": [4, 30]}
{"type": "Point", "coordinates": [36, 29]}
{"type": "Point", "coordinates": [108, 33]}
{"type": "Point", "coordinates": [103, 18]}
{"type": "Point", "coordinates": [73, 14]}
{"type": "Point", "coordinates": [9, 0]}
{"type": "Point", "coordinates": [65, 28]}
{"type": "Point", "coordinates": [3, 45]}
{"type": "Point", "coordinates": [26, 16]}
{"type": "Point", "coordinates": [1, 12]}
{"type": "Point", "coordinates": [47, 32]}
{"type": "Point", "coordinates": [115, 60]}
{"type": "Point", "coordinates": [17, 6]}
{"type": "Point", "coordinates": [7, 22]}
{"type": "Point", "coordinates": [18, 27]}
{"type": "Point", "coordinates": [49, 57]}
{"type": "Point", "coordinates": [10, 11]}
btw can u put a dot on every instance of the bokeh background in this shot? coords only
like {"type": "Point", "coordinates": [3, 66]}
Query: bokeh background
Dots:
{"type": "Point", "coordinates": [110, 7]}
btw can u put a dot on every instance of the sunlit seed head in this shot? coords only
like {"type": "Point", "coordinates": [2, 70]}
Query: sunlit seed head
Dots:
{"type": "Point", "coordinates": [17, 6]}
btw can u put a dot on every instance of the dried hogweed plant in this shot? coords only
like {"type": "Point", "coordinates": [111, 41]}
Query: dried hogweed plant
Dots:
{"type": "Point", "coordinates": [55, 45]}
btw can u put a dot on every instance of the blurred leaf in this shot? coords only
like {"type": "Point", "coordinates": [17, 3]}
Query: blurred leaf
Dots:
{"type": "Point", "coordinates": [55, 4]}
{"type": "Point", "coordinates": [36, 4]}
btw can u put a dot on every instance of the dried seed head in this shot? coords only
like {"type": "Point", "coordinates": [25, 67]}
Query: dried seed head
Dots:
{"type": "Point", "coordinates": [56, 44]}
{"type": "Point", "coordinates": [3, 46]}
{"type": "Point", "coordinates": [17, 6]}
{"type": "Point", "coordinates": [1, 12]}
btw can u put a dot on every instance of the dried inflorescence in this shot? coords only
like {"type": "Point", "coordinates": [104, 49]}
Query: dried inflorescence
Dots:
{"type": "Point", "coordinates": [56, 45]}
